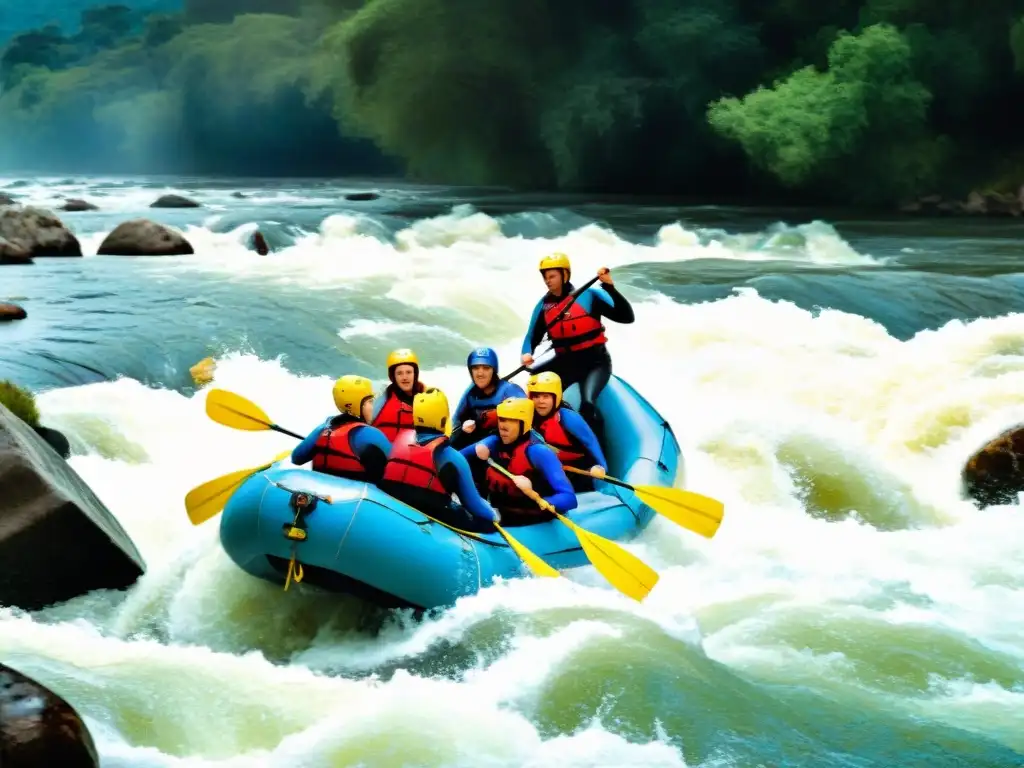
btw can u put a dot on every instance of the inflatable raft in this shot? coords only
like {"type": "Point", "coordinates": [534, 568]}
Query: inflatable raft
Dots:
{"type": "Point", "coordinates": [352, 537]}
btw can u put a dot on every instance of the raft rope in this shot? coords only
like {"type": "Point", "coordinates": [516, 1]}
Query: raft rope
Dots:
{"type": "Point", "coordinates": [303, 502]}
{"type": "Point", "coordinates": [294, 571]}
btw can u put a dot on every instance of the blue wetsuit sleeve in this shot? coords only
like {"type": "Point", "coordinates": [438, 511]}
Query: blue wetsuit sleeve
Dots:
{"type": "Point", "coordinates": [534, 331]}
{"type": "Point", "coordinates": [545, 461]}
{"type": "Point", "coordinates": [469, 452]}
{"type": "Point", "coordinates": [464, 488]}
{"type": "Point", "coordinates": [366, 438]}
{"type": "Point", "coordinates": [462, 409]}
{"type": "Point", "coordinates": [576, 426]}
{"type": "Point", "coordinates": [372, 448]}
{"type": "Point", "coordinates": [606, 301]}
{"type": "Point", "coordinates": [304, 451]}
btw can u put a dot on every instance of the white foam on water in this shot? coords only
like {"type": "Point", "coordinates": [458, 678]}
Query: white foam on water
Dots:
{"type": "Point", "coordinates": [835, 447]}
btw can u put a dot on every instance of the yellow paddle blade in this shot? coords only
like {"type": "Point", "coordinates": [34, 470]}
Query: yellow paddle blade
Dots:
{"type": "Point", "coordinates": [235, 411]}
{"type": "Point", "coordinates": [534, 563]}
{"type": "Point", "coordinates": [206, 500]}
{"type": "Point", "coordinates": [624, 571]}
{"type": "Point", "coordinates": [700, 514]}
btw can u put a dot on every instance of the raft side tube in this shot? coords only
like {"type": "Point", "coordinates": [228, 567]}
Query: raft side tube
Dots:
{"type": "Point", "coordinates": [368, 543]}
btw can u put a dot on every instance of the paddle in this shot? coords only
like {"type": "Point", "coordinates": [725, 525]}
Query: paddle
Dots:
{"type": "Point", "coordinates": [236, 412]}
{"type": "Point", "coordinates": [233, 410]}
{"type": "Point", "coordinates": [206, 500]}
{"type": "Point", "coordinates": [624, 571]}
{"type": "Point", "coordinates": [533, 562]}
{"type": "Point", "coordinates": [700, 514]}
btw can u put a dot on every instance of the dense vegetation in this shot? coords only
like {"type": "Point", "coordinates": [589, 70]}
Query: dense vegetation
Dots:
{"type": "Point", "coordinates": [17, 17]}
{"type": "Point", "coordinates": [864, 101]}
{"type": "Point", "coordinates": [19, 401]}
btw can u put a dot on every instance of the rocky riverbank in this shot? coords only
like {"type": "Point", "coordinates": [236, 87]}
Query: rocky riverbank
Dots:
{"type": "Point", "coordinates": [977, 203]}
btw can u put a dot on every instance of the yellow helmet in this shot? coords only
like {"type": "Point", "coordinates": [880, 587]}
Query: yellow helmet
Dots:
{"type": "Point", "coordinates": [402, 356]}
{"type": "Point", "coordinates": [520, 408]}
{"type": "Point", "coordinates": [549, 382]}
{"type": "Point", "coordinates": [556, 261]}
{"type": "Point", "coordinates": [430, 410]}
{"type": "Point", "coordinates": [349, 393]}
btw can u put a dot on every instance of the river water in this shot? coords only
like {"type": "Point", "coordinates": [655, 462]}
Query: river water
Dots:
{"type": "Point", "coordinates": [827, 377]}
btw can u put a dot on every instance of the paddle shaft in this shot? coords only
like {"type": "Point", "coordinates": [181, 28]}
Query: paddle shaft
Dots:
{"type": "Point", "coordinates": [546, 506]}
{"type": "Point", "coordinates": [607, 479]}
{"type": "Point", "coordinates": [572, 297]}
{"type": "Point", "coordinates": [572, 300]}
{"type": "Point", "coordinates": [288, 432]}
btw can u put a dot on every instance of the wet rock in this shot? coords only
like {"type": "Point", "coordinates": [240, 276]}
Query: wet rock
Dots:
{"type": "Point", "coordinates": [57, 539]}
{"type": "Point", "coordinates": [994, 475]}
{"type": "Point", "coordinates": [259, 243]}
{"type": "Point", "coordinates": [6, 199]}
{"type": "Point", "coordinates": [174, 201]}
{"type": "Point", "coordinates": [56, 440]}
{"type": "Point", "coordinates": [142, 237]}
{"type": "Point", "coordinates": [11, 312]}
{"type": "Point", "coordinates": [38, 232]}
{"type": "Point", "coordinates": [238, 195]}
{"type": "Point", "coordinates": [362, 196]}
{"type": "Point", "coordinates": [12, 253]}
{"type": "Point", "coordinates": [75, 205]}
{"type": "Point", "coordinates": [38, 728]}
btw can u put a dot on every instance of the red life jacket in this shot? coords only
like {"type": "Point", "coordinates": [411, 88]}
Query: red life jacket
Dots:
{"type": "Point", "coordinates": [502, 492]}
{"type": "Point", "coordinates": [333, 454]}
{"type": "Point", "coordinates": [487, 418]}
{"type": "Point", "coordinates": [571, 329]}
{"type": "Point", "coordinates": [396, 414]}
{"type": "Point", "coordinates": [569, 449]}
{"type": "Point", "coordinates": [411, 471]}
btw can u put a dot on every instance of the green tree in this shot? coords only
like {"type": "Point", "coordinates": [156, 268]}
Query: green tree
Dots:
{"type": "Point", "coordinates": [45, 47]}
{"type": "Point", "coordinates": [819, 127]}
{"type": "Point", "coordinates": [451, 86]}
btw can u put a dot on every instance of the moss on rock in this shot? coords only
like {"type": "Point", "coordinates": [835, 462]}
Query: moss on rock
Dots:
{"type": "Point", "coordinates": [20, 401]}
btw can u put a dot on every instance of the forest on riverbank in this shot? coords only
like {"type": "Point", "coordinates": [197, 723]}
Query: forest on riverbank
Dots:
{"type": "Point", "coordinates": [853, 101]}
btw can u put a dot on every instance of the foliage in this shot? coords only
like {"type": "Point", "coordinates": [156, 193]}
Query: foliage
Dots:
{"type": "Point", "coordinates": [20, 402]}
{"type": "Point", "coordinates": [863, 101]}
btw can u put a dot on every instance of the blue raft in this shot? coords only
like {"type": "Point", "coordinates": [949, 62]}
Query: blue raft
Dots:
{"type": "Point", "coordinates": [367, 543]}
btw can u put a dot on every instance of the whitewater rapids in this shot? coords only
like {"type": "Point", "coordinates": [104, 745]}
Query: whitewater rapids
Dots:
{"type": "Point", "coordinates": [849, 582]}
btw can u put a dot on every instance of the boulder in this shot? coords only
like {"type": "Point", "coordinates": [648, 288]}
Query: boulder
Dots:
{"type": "Point", "coordinates": [6, 199]}
{"type": "Point", "coordinates": [75, 205]}
{"type": "Point", "coordinates": [13, 253]}
{"type": "Point", "coordinates": [11, 312]}
{"type": "Point", "coordinates": [259, 243]}
{"type": "Point", "coordinates": [142, 237]}
{"type": "Point", "coordinates": [57, 539]}
{"type": "Point", "coordinates": [38, 232]}
{"type": "Point", "coordinates": [995, 473]}
{"type": "Point", "coordinates": [174, 201]}
{"type": "Point", "coordinates": [55, 439]}
{"type": "Point", "coordinates": [39, 728]}
{"type": "Point", "coordinates": [359, 197]}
